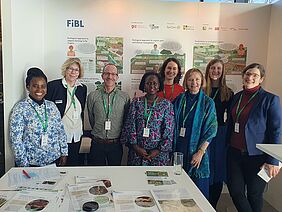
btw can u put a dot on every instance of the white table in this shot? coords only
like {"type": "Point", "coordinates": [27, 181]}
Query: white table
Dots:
{"type": "Point", "coordinates": [275, 150]}
{"type": "Point", "coordinates": [129, 178]}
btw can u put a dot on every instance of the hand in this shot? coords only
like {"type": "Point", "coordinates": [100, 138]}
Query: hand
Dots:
{"type": "Point", "coordinates": [63, 160]}
{"type": "Point", "coordinates": [153, 153]}
{"type": "Point", "coordinates": [140, 151]}
{"type": "Point", "coordinates": [272, 170]}
{"type": "Point", "coordinates": [196, 159]}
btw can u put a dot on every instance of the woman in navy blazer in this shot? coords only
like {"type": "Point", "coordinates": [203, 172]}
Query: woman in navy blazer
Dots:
{"type": "Point", "coordinates": [69, 95]}
{"type": "Point", "coordinates": [255, 118]}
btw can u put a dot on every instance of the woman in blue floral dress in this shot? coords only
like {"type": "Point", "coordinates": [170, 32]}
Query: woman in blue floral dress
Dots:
{"type": "Point", "coordinates": [148, 131]}
{"type": "Point", "coordinates": [36, 130]}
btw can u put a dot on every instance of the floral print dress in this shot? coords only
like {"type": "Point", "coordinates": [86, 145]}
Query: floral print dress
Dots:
{"type": "Point", "coordinates": [161, 125]}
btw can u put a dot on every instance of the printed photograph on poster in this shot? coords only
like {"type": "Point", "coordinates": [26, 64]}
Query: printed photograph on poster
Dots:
{"type": "Point", "coordinates": [109, 50]}
{"type": "Point", "coordinates": [80, 47]}
{"type": "Point", "coordinates": [234, 56]}
{"type": "Point", "coordinates": [151, 53]}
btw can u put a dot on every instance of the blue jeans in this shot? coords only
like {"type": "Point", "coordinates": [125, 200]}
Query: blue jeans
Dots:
{"type": "Point", "coordinates": [203, 185]}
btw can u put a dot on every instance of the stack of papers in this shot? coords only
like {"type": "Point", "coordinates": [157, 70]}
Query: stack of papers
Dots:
{"type": "Point", "coordinates": [88, 189]}
{"type": "Point", "coordinates": [30, 200]}
{"type": "Point", "coordinates": [45, 177]}
{"type": "Point", "coordinates": [172, 200]}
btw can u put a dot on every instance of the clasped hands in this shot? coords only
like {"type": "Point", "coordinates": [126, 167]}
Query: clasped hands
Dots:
{"type": "Point", "coordinates": [144, 154]}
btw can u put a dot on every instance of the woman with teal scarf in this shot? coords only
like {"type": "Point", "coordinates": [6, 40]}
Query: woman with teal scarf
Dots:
{"type": "Point", "coordinates": [196, 125]}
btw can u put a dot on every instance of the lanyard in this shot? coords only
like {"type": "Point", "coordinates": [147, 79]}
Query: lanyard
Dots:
{"type": "Point", "coordinates": [183, 111]}
{"type": "Point", "coordinates": [146, 115]}
{"type": "Point", "coordinates": [215, 94]}
{"type": "Point", "coordinates": [171, 95]}
{"type": "Point", "coordinates": [72, 96]}
{"type": "Point", "coordinates": [238, 112]}
{"type": "Point", "coordinates": [108, 109]}
{"type": "Point", "coordinates": [43, 123]}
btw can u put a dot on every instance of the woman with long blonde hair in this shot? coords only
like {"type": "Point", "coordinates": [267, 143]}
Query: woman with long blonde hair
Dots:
{"type": "Point", "coordinates": [217, 89]}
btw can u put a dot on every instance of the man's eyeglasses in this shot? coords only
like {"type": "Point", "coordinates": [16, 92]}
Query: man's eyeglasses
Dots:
{"type": "Point", "coordinates": [107, 74]}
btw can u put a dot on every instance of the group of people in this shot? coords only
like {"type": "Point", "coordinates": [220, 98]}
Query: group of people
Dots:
{"type": "Point", "coordinates": [216, 130]}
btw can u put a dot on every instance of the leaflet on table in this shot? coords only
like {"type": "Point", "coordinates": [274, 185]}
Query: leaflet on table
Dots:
{"type": "Point", "coordinates": [5, 196]}
{"type": "Point", "coordinates": [31, 201]}
{"type": "Point", "coordinates": [176, 200]}
{"type": "Point", "coordinates": [64, 201]}
{"type": "Point", "coordinates": [158, 178]}
{"type": "Point", "coordinates": [86, 179]}
{"type": "Point", "coordinates": [157, 181]}
{"type": "Point", "coordinates": [95, 191]}
{"type": "Point", "coordinates": [24, 176]}
{"type": "Point", "coordinates": [47, 185]}
{"type": "Point", "coordinates": [156, 173]}
{"type": "Point", "coordinates": [134, 201]}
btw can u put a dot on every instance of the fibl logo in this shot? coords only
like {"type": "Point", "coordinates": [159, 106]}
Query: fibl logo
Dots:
{"type": "Point", "coordinates": [74, 23]}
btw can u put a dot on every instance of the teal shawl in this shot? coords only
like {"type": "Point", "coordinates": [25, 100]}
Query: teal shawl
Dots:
{"type": "Point", "coordinates": [204, 128]}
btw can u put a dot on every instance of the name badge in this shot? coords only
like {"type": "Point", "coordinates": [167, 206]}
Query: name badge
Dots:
{"type": "Point", "coordinates": [182, 131]}
{"type": "Point", "coordinates": [58, 101]}
{"type": "Point", "coordinates": [236, 127]}
{"type": "Point", "coordinates": [225, 116]}
{"type": "Point", "coordinates": [107, 125]}
{"type": "Point", "coordinates": [75, 115]}
{"type": "Point", "coordinates": [146, 132]}
{"type": "Point", "coordinates": [44, 140]}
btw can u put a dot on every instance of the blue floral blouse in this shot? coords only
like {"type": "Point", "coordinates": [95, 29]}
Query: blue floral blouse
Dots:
{"type": "Point", "coordinates": [26, 132]}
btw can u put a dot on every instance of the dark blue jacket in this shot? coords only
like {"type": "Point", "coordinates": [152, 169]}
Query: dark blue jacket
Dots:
{"type": "Point", "coordinates": [263, 125]}
{"type": "Point", "coordinates": [57, 93]}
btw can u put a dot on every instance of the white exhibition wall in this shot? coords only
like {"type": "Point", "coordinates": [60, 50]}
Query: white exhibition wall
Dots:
{"type": "Point", "coordinates": [39, 32]}
{"type": "Point", "coordinates": [36, 34]}
{"type": "Point", "coordinates": [273, 83]}
{"type": "Point", "coordinates": [142, 23]}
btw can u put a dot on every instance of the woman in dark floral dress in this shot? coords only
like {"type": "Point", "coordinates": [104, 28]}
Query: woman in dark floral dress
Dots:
{"type": "Point", "coordinates": [148, 131]}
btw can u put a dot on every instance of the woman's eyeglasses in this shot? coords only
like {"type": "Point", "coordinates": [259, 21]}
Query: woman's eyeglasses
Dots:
{"type": "Point", "coordinates": [70, 69]}
{"type": "Point", "coordinates": [254, 75]}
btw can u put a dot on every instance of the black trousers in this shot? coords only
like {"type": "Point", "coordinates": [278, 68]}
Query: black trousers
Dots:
{"type": "Point", "coordinates": [214, 193]}
{"type": "Point", "coordinates": [105, 154]}
{"type": "Point", "coordinates": [242, 178]}
{"type": "Point", "coordinates": [74, 157]}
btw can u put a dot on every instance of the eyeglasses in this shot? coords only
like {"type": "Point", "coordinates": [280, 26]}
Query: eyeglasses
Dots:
{"type": "Point", "coordinates": [254, 75]}
{"type": "Point", "coordinates": [70, 69]}
{"type": "Point", "coordinates": [107, 74]}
